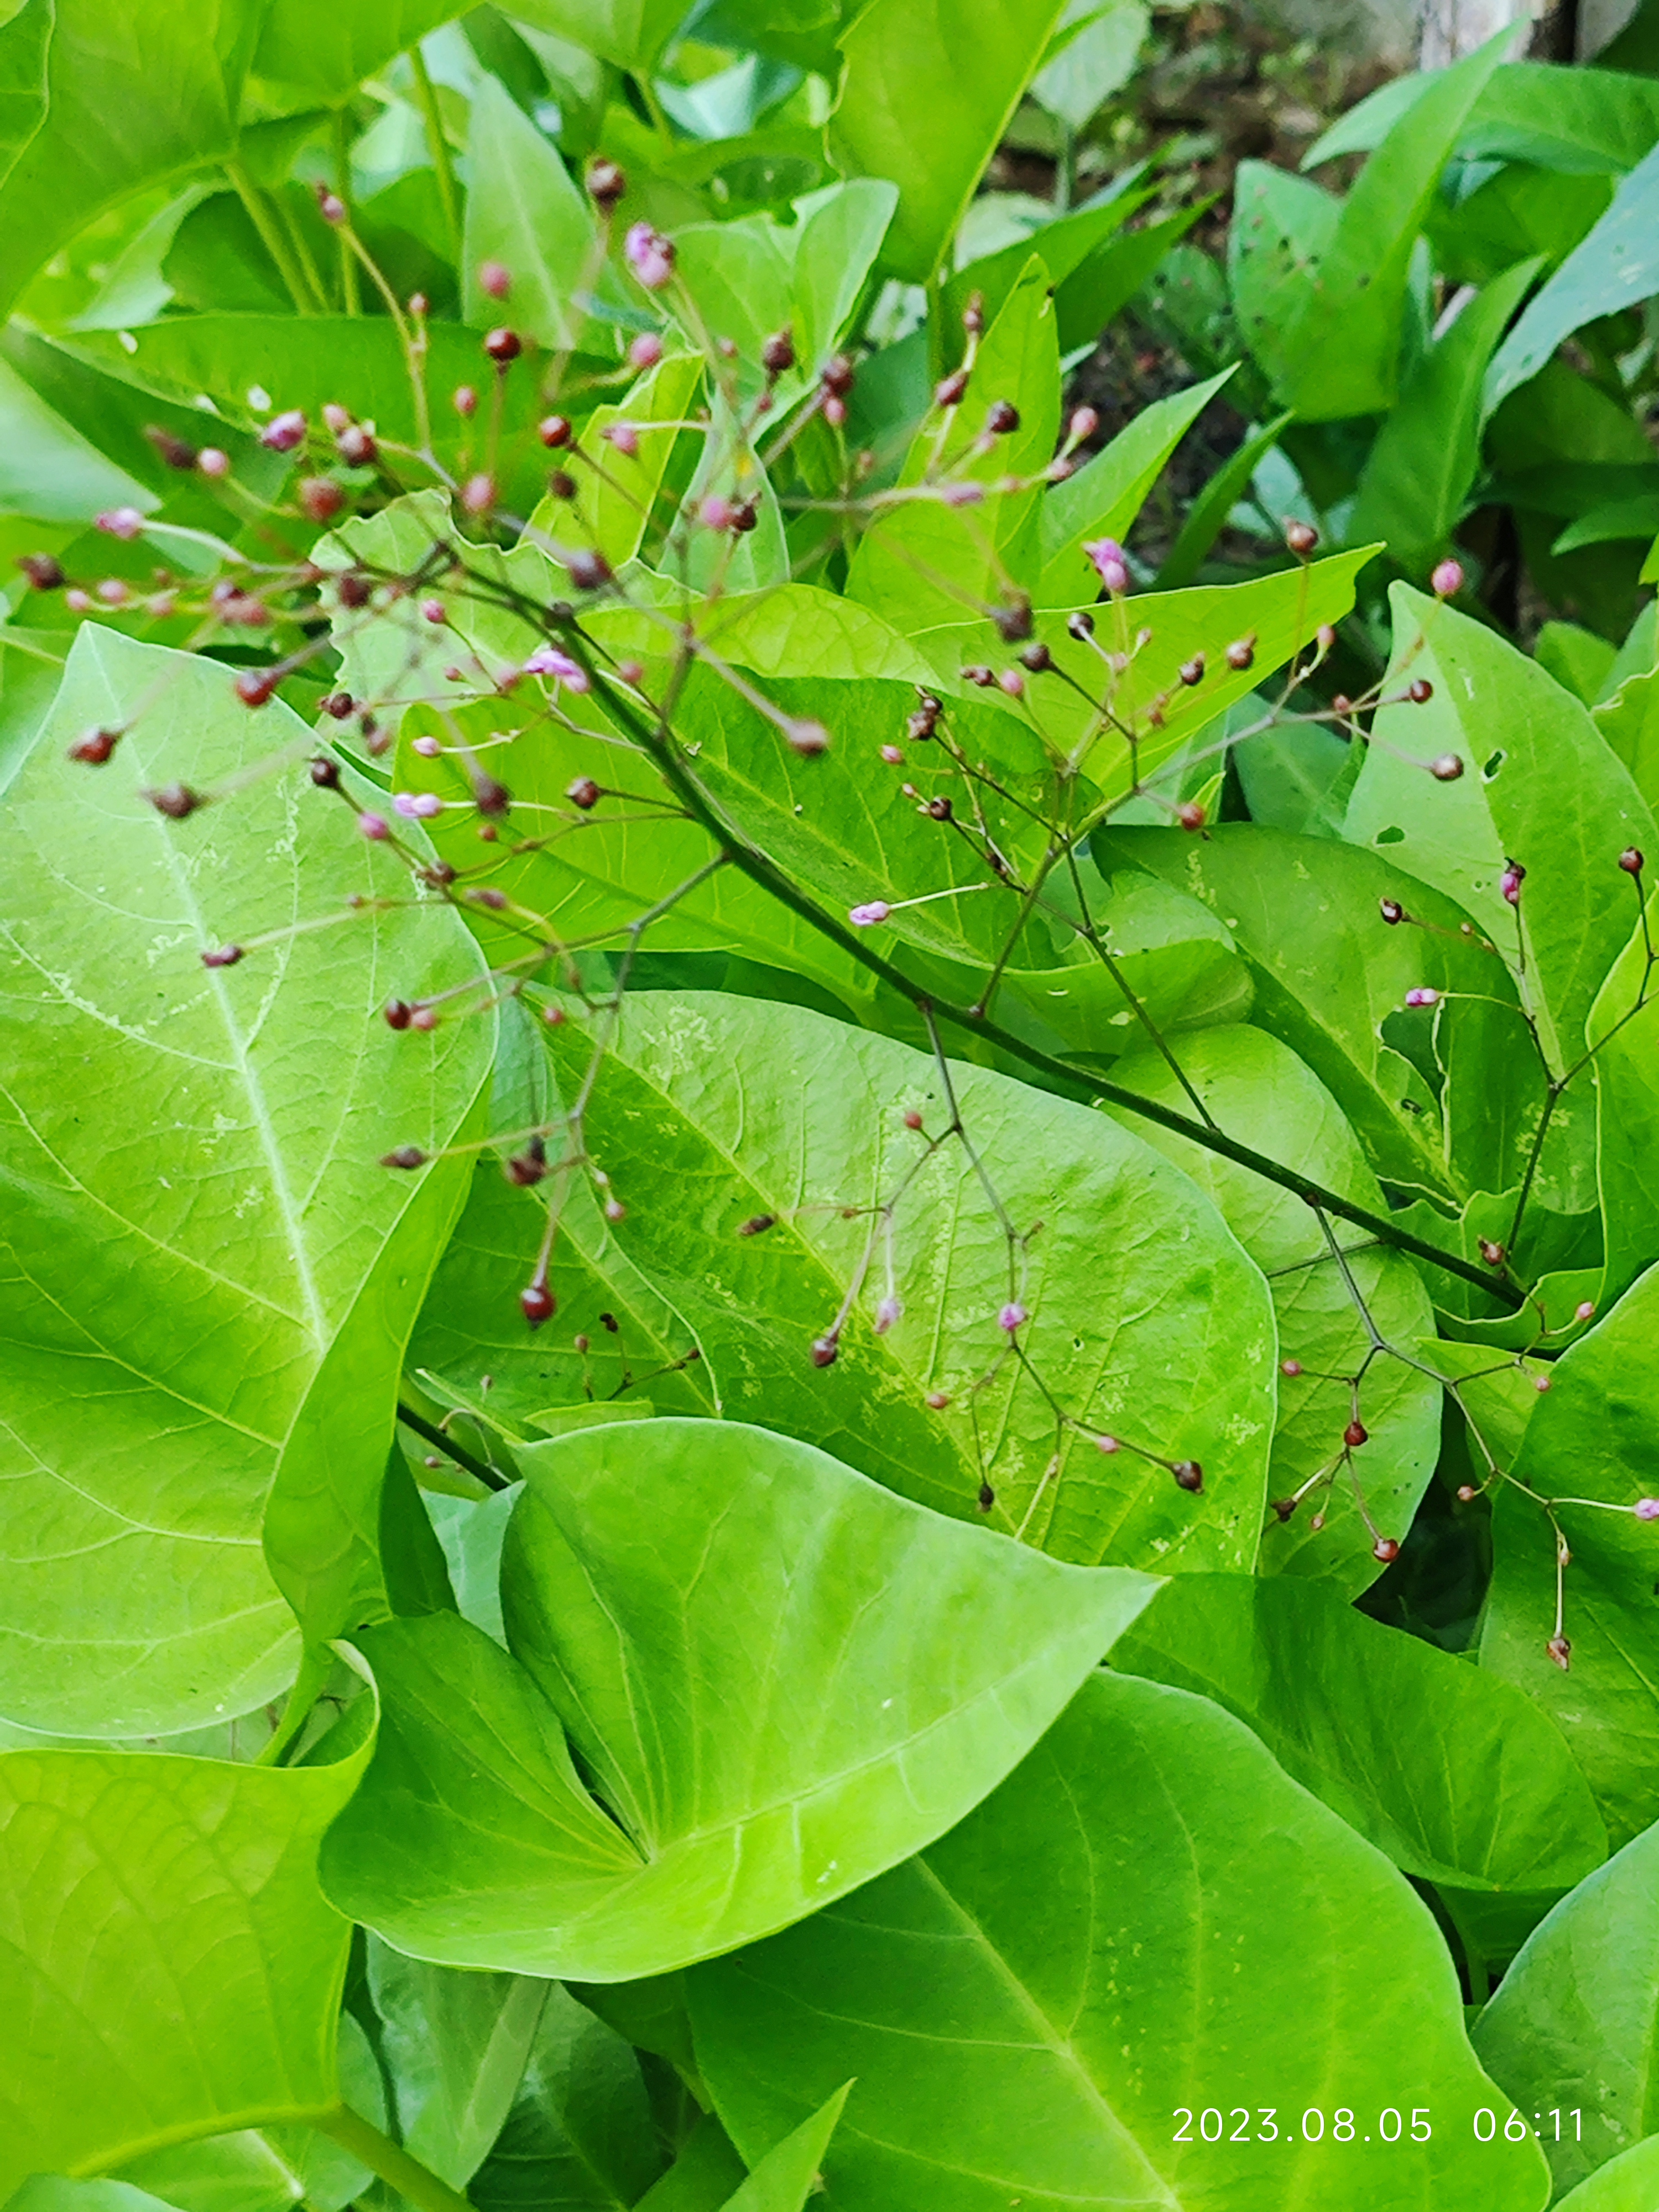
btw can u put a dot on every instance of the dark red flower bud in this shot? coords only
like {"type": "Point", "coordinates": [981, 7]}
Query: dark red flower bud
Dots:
{"type": "Point", "coordinates": [95, 748]}
{"type": "Point", "coordinates": [1190, 814]}
{"type": "Point", "coordinates": [553, 430]}
{"type": "Point", "coordinates": [1192, 671]}
{"type": "Point", "coordinates": [1001, 417]}
{"type": "Point", "coordinates": [1188, 1474]}
{"type": "Point", "coordinates": [320, 498]}
{"type": "Point", "coordinates": [988, 1498]}
{"type": "Point", "coordinates": [1014, 620]}
{"type": "Point", "coordinates": [528, 1168]}
{"type": "Point", "coordinates": [825, 1351]}
{"type": "Point", "coordinates": [1241, 653]}
{"type": "Point", "coordinates": [940, 809]}
{"type": "Point", "coordinates": [1283, 1507]}
{"type": "Point", "coordinates": [503, 346]}
{"type": "Point", "coordinates": [583, 793]}
{"type": "Point", "coordinates": [175, 801]}
{"type": "Point", "coordinates": [778, 354]}
{"type": "Point", "coordinates": [1560, 1650]}
{"type": "Point", "coordinates": [1392, 911]}
{"type": "Point", "coordinates": [538, 1304]}
{"type": "Point", "coordinates": [1385, 1549]}
{"type": "Point", "coordinates": [405, 1156]}
{"type": "Point", "coordinates": [973, 315]}
{"type": "Point", "coordinates": [226, 957]}
{"type": "Point", "coordinates": [1301, 538]}
{"type": "Point", "coordinates": [757, 1224]}
{"type": "Point", "coordinates": [490, 797]}
{"type": "Point", "coordinates": [1037, 658]}
{"type": "Point", "coordinates": [398, 1013]}
{"type": "Point", "coordinates": [325, 772]}
{"type": "Point", "coordinates": [838, 374]}
{"type": "Point", "coordinates": [606, 183]}
{"type": "Point", "coordinates": [1447, 768]}
{"type": "Point", "coordinates": [42, 570]}
{"type": "Point", "coordinates": [1081, 624]}
{"type": "Point", "coordinates": [254, 686]}
{"type": "Point", "coordinates": [1420, 692]}
{"type": "Point", "coordinates": [1510, 881]}
{"type": "Point", "coordinates": [354, 589]}
{"type": "Point", "coordinates": [1631, 861]}
{"type": "Point", "coordinates": [173, 451]}
{"type": "Point", "coordinates": [1356, 1434]}
{"type": "Point", "coordinates": [589, 569]}
{"type": "Point", "coordinates": [1491, 1252]}
{"type": "Point", "coordinates": [355, 446]}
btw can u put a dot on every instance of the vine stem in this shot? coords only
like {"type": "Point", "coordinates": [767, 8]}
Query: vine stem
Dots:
{"type": "Point", "coordinates": [392, 2164]}
{"type": "Point", "coordinates": [270, 236]}
{"type": "Point", "coordinates": [761, 870]}
{"type": "Point", "coordinates": [438, 145]}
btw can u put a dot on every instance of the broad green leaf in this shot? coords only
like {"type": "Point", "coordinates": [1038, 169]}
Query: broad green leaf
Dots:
{"type": "Point", "coordinates": [1575, 122]}
{"type": "Point", "coordinates": [1331, 975]}
{"type": "Point", "coordinates": [1206, 518]}
{"type": "Point", "coordinates": [1340, 351]}
{"type": "Point", "coordinates": [1099, 289]}
{"type": "Point", "coordinates": [921, 561]}
{"type": "Point", "coordinates": [1578, 660]}
{"type": "Point", "coordinates": [1107, 493]}
{"type": "Point", "coordinates": [1575, 2023]}
{"type": "Point", "coordinates": [48, 470]}
{"type": "Point", "coordinates": [1256, 1088]}
{"type": "Point", "coordinates": [739, 285]}
{"type": "Point", "coordinates": [1629, 2183]}
{"type": "Point", "coordinates": [579, 2134]}
{"type": "Point", "coordinates": [1027, 2007]}
{"type": "Point", "coordinates": [703, 2175]}
{"type": "Point", "coordinates": [131, 101]}
{"type": "Point", "coordinates": [171, 1967]}
{"type": "Point", "coordinates": [55, 2192]}
{"type": "Point", "coordinates": [1420, 472]}
{"type": "Point", "coordinates": [1063, 243]}
{"type": "Point", "coordinates": [212, 1268]}
{"type": "Point", "coordinates": [523, 211]}
{"type": "Point", "coordinates": [1449, 1772]}
{"type": "Point", "coordinates": [1537, 788]}
{"type": "Point", "coordinates": [31, 668]}
{"type": "Point", "coordinates": [1282, 228]}
{"type": "Point", "coordinates": [25, 43]}
{"type": "Point", "coordinates": [888, 124]}
{"type": "Point", "coordinates": [326, 48]}
{"type": "Point", "coordinates": [1279, 613]}
{"type": "Point", "coordinates": [1595, 1434]}
{"type": "Point", "coordinates": [791, 630]}
{"type": "Point", "coordinates": [1097, 59]}
{"type": "Point", "coordinates": [1616, 267]}
{"type": "Point", "coordinates": [1625, 1033]}
{"type": "Point", "coordinates": [1146, 1322]}
{"type": "Point", "coordinates": [455, 2047]}
{"type": "Point", "coordinates": [786, 2177]}
{"type": "Point", "coordinates": [836, 241]}
{"type": "Point", "coordinates": [1615, 520]}
{"type": "Point", "coordinates": [654, 1555]}
{"type": "Point", "coordinates": [630, 33]}
{"type": "Point", "coordinates": [615, 491]}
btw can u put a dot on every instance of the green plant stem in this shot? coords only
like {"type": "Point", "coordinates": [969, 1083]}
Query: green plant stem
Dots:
{"type": "Point", "coordinates": [308, 1688]}
{"type": "Point", "coordinates": [492, 1478]}
{"type": "Point", "coordinates": [350, 285]}
{"type": "Point", "coordinates": [1076, 1083]}
{"type": "Point", "coordinates": [312, 276]}
{"type": "Point", "coordinates": [448, 192]}
{"type": "Point", "coordinates": [383, 2157]}
{"type": "Point", "coordinates": [655, 108]}
{"type": "Point", "coordinates": [270, 236]}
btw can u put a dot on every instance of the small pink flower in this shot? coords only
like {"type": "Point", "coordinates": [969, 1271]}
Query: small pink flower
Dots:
{"type": "Point", "coordinates": [373, 827]}
{"type": "Point", "coordinates": [1424, 995]}
{"type": "Point", "coordinates": [1447, 579]}
{"type": "Point", "coordinates": [124, 522]}
{"type": "Point", "coordinates": [336, 418]}
{"type": "Point", "coordinates": [428, 748]}
{"type": "Point", "coordinates": [1107, 1444]}
{"type": "Point", "coordinates": [77, 601]}
{"type": "Point", "coordinates": [549, 660]}
{"type": "Point", "coordinates": [1109, 565]}
{"type": "Point", "coordinates": [624, 437]}
{"type": "Point", "coordinates": [478, 494]}
{"type": "Point", "coordinates": [113, 592]}
{"type": "Point", "coordinates": [212, 462]}
{"type": "Point", "coordinates": [956, 495]}
{"type": "Point", "coordinates": [866, 917]}
{"type": "Point", "coordinates": [1584, 1312]}
{"type": "Point", "coordinates": [1013, 1316]}
{"type": "Point", "coordinates": [1084, 423]}
{"type": "Point", "coordinates": [435, 611]}
{"type": "Point", "coordinates": [892, 755]}
{"type": "Point", "coordinates": [886, 1314]}
{"type": "Point", "coordinates": [1012, 682]}
{"type": "Point", "coordinates": [646, 350]}
{"type": "Point", "coordinates": [284, 432]}
{"type": "Point", "coordinates": [1646, 1508]}
{"type": "Point", "coordinates": [417, 806]}
{"type": "Point", "coordinates": [495, 278]}
{"type": "Point", "coordinates": [717, 513]}
{"type": "Point", "coordinates": [650, 256]}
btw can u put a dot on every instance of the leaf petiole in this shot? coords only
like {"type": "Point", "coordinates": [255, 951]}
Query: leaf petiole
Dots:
{"type": "Point", "coordinates": [391, 2162]}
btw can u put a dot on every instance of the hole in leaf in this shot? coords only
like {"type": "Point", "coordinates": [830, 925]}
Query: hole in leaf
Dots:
{"type": "Point", "coordinates": [1495, 761]}
{"type": "Point", "coordinates": [1391, 836]}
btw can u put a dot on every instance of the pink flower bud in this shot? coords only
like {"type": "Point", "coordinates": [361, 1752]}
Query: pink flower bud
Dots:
{"type": "Point", "coordinates": [717, 513]}
{"type": "Point", "coordinates": [1109, 565]}
{"type": "Point", "coordinates": [834, 414]}
{"type": "Point", "coordinates": [1646, 1508]}
{"type": "Point", "coordinates": [330, 205]}
{"type": "Point", "coordinates": [77, 601]}
{"type": "Point", "coordinates": [938, 1399]}
{"type": "Point", "coordinates": [337, 418]}
{"type": "Point", "coordinates": [806, 737]}
{"type": "Point", "coordinates": [646, 350]}
{"type": "Point", "coordinates": [417, 806]}
{"type": "Point", "coordinates": [1084, 423]}
{"type": "Point", "coordinates": [113, 592]}
{"type": "Point", "coordinates": [1584, 1311]}
{"type": "Point", "coordinates": [428, 748]}
{"type": "Point", "coordinates": [284, 432]}
{"type": "Point", "coordinates": [956, 495]}
{"type": "Point", "coordinates": [1013, 1316]}
{"type": "Point", "coordinates": [892, 755]}
{"type": "Point", "coordinates": [478, 494]}
{"type": "Point", "coordinates": [1424, 995]}
{"type": "Point", "coordinates": [1447, 579]}
{"type": "Point", "coordinates": [650, 256]}
{"type": "Point", "coordinates": [1107, 1444]}
{"type": "Point", "coordinates": [212, 462]}
{"type": "Point", "coordinates": [886, 1314]}
{"type": "Point", "coordinates": [866, 917]}
{"type": "Point", "coordinates": [549, 660]}
{"type": "Point", "coordinates": [465, 399]}
{"type": "Point", "coordinates": [495, 278]}
{"type": "Point", "coordinates": [1012, 682]}
{"type": "Point", "coordinates": [123, 522]}
{"type": "Point", "coordinates": [624, 437]}
{"type": "Point", "coordinates": [375, 827]}
{"type": "Point", "coordinates": [435, 611]}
